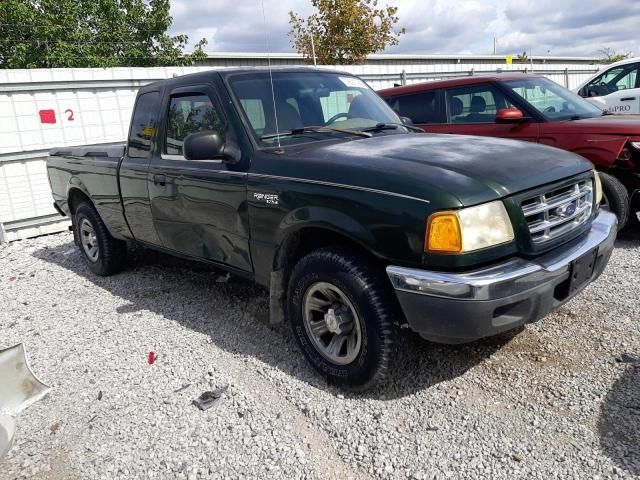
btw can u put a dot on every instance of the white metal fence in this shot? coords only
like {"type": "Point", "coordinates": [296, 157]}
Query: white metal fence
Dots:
{"type": "Point", "coordinates": [45, 108]}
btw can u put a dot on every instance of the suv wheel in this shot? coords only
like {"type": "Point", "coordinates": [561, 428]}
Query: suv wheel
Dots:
{"type": "Point", "coordinates": [615, 198]}
{"type": "Point", "coordinates": [343, 317]}
{"type": "Point", "coordinates": [103, 254]}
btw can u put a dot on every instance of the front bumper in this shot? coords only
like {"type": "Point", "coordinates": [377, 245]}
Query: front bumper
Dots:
{"type": "Point", "coordinates": [462, 307]}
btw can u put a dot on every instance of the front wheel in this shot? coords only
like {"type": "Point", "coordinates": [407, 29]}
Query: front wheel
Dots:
{"type": "Point", "coordinates": [615, 198]}
{"type": "Point", "coordinates": [103, 254]}
{"type": "Point", "coordinates": [342, 317]}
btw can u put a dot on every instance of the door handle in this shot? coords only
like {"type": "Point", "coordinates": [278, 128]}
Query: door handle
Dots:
{"type": "Point", "coordinates": [627, 99]}
{"type": "Point", "coordinates": [159, 180]}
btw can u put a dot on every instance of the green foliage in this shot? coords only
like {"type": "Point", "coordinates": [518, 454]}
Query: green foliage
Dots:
{"type": "Point", "coordinates": [610, 56]}
{"type": "Point", "coordinates": [522, 58]}
{"type": "Point", "coordinates": [90, 33]}
{"type": "Point", "coordinates": [344, 31]}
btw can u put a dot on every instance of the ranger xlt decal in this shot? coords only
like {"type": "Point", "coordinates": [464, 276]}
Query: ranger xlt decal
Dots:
{"type": "Point", "coordinates": [270, 198]}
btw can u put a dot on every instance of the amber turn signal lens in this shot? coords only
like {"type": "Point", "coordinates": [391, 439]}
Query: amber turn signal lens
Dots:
{"type": "Point", "coordinates": [443, 233]}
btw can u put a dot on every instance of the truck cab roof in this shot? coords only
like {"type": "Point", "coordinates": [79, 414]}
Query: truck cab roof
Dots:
{"type": "Point", "coordinates": [226, 72]}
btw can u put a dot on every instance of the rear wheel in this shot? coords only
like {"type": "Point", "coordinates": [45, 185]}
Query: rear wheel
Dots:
{"type": "Point", "coordinates": [103, 254]}
{"type": "Point", "coordinates": [343, 317]}
{"type": "Point", "coordinates": [615, 198]}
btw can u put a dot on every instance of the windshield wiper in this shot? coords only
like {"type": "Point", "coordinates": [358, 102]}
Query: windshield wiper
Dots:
{"type": "Point", "coordinates": [391, 126]}
{"type": "Point", "coordinates": [299, 131]}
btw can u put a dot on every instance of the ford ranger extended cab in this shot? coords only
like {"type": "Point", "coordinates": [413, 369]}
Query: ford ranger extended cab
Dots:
{"type": "Point", "coordinates": [308, 183]}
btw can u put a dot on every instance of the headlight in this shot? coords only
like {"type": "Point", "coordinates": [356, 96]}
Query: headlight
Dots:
{"type": "Point", "coordinates": [598, 184]}
{"type": "Point", "coordinates": [468, 229]}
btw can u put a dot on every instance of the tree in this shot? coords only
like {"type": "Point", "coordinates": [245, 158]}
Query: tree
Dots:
{"type": "Point", "coordinates": [344, 31]}
{"type": "Point", "coordinates": [609, 55]}
{"type": "Point", "coordinates": [90, 33]}
{"type": "Point", "coordinates": [523, 57]}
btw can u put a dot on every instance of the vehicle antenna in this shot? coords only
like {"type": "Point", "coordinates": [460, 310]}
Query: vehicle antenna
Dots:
{"type": "Point", "coordinates": [273, 94]}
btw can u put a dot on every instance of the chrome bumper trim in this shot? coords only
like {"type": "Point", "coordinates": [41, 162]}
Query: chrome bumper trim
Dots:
{"type": "Point", "coordinates": [511, 277]}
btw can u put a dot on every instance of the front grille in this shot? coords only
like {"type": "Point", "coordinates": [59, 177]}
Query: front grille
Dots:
{"type": "Point", "coordinates": [558, 211]}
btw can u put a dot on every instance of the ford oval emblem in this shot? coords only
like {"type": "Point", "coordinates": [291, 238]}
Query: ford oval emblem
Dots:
{"type": "Point", "coordinates": [567, 210]}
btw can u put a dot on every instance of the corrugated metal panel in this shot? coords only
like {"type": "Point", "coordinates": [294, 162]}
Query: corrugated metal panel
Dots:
{"type": "Point", "coordinates": [26, 207]}
{"type": "Point", "coordinates": [45, 108]}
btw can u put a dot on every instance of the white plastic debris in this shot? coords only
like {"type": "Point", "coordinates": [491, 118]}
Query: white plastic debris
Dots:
{"type": "Point", "coordinates": [7, 430]}
{"type": "Point", "coordinates": [20, 388]}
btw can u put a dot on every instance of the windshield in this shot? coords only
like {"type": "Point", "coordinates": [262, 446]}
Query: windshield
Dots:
{"type": "Point", "coordinates": [307, 100]}
{"type": "Point", "coordinates": [551, 100]}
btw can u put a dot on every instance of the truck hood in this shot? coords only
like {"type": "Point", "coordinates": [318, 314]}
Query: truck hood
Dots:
{"type": "Point", "coordinates": [625, 125]}
{"type": "Point", "coordinates": [429, 166]}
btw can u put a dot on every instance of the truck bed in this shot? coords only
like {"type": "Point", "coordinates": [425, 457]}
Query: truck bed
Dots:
{"type": "Point", "coordinates": [92, 171]}
{"type": "Point", "coordinates": [115, 151]}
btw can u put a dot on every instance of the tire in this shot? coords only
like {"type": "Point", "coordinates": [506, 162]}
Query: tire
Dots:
{"type": "Point", "coordinates": [615, 198]}
{"type": "Point", "coordinates": [360, 300]}
{"type": "Point", "coordinates": [103, 254]}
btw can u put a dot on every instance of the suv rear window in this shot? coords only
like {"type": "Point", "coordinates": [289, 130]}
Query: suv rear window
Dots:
{"type": "Point", "coordinates": [421, 107]}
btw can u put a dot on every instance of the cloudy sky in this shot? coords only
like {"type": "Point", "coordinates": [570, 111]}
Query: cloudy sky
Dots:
{"type": "Point", "coordinates": [555, 27]}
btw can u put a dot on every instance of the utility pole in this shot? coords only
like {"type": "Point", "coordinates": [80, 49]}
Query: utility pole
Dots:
{"type": "Point", "coordinates": [313, 50]}
{"type": "Point", "coordinates": [494, 46]}
{"type": "Point", "coordinates": [531, 58]}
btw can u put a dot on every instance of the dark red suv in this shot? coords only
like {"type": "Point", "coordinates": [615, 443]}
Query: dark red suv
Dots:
{"type": "Point", "coordinates": [535, 109]}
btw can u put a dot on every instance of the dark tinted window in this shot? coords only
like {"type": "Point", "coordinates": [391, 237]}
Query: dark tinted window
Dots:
{"type": "Point", "coordinates": [419, 107]}
{"type": "Point", "coordinates": [474, 104]}
{"type": "Point", "coordinates": [189, 114]}
{"type": "Point", "coordinates": [143, 125]}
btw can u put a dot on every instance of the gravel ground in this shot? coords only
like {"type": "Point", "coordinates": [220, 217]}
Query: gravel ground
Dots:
{"type": "Point", "coordinates": [559, 399]}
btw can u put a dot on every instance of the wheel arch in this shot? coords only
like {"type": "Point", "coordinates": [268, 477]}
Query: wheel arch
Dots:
{"type": "Point", "coordinates": [299, 242]}
{"type": "Point", "coordinates": [75, 196]}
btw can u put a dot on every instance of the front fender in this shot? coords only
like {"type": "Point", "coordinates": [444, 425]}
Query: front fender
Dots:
{"type": "Point", "coordinates": [602, 150]}
{"type": "Point", "coordinates": [327, 219]}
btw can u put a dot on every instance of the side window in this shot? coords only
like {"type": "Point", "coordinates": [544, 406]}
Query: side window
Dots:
{"type": "Point", "coordinates": [143, 125]}
{"type": "Point", "coordinates": [421, 107]}
{"type": "Point", "coordinates": [474, 104]}
{"type": "Point", "coordinates": [543, 99]}
{"type": "Point", "coordinates": [189, 114]}
{"type": "Point", "coordinates": [613, 80]}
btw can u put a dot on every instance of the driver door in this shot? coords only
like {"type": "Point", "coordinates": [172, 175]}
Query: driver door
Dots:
{"type": "Point", "coordinates": [198, 205]}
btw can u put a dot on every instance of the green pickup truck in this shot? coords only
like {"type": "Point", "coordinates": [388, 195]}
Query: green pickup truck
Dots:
{"type": "Point", "coordinates": [305, 181]}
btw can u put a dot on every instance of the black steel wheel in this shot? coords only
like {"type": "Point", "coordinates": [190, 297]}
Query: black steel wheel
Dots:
{"type": "Point", "coordinates": [342, 312]}
{"type": "Point", "coordinates": [103, 254]}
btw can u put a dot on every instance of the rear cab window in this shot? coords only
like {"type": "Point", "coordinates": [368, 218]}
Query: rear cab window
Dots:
{"type": "Point", "coordinates": [144, 123]}
{"type": "Point", "coordinates": [474, 104]}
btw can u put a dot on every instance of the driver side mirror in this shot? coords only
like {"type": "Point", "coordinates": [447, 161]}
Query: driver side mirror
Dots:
{"type": "Point", "coordinates": [406, 121]}
{"type": "Point", "coordinates": [510, 115]}
{"type": "Point", "coordinates": [210, 145]}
